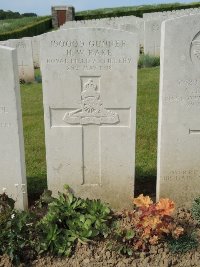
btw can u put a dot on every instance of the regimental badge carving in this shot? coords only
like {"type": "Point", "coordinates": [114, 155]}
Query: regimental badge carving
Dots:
{"type": "Point", "coordinates": [92, 110]}
{"type": "Point", "coordinates": [195, 49]}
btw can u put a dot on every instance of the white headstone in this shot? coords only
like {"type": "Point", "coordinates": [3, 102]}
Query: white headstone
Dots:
{"type": "Point", "coordinates": [152, 35]}
{"type": "Point", "coordinates": [36, 50]}
{"type": "Point", "coordinates": [25, 58]}
{"type": "Point", "coordinates": [128, 23]}
{"type": "Point", "coordinates": [152, 27]}
{"type": "Point", "coordinates": [4, 43]}
{"type": "Point", "coordinates": [179, 119]}
{"type": "Point", "coordinates": [12, 163]}
{"type": "Point", "coordinates": [89, 89]}
{"type": "Point", "coordinates": [170, 14]}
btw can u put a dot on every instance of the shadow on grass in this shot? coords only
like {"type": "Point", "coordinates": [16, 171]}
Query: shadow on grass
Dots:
{"type": "Point", "coordinates": [36, 186]}
{"type": "Point", "coordinates": [145, 183]}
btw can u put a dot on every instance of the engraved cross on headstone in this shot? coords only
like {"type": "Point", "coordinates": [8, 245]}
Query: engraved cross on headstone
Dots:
{"type": "Point", "coordinates": [92, 116]}
{"type": "Point", "coordinates": [194, 131]}
{"type": "Point", "coordinates": [156, 46]}
{"type": "Point", "coordinates": [21, 68]}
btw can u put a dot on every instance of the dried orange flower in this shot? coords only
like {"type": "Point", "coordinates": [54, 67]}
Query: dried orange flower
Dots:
{"type": "Point", "coordinates": [152, 221]}
{"type": "Point", "coordinates": [165, 206]}
{"type": "Point", "coordinates": [178, 231]}
{"type": "Point", "coordinates": [138, 245]}
{"type": "Point", "coordinates": [153, 240]}
{"type": "Point", "coordinates": [142, 201]}
{"type": "Point", "coordinates": [146, 233]}
{"type": "Point", "coordinates": [165, 229]}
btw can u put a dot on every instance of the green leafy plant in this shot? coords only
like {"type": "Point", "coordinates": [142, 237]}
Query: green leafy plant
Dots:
{"type": "Point", "coordinates": [70, 220]}
{"type": "Point", "coordinates": [6, 207]}
{"type": "Point", "coordinates": [185, 243]}
{"type": "Point", "coordinates": [17, 236]}
{"type": "Point", "coordinates": [123, 237]}
{"type": "Point", "coordinates": [196, 209]}
{"type": "Point", "coordinates": [38, 78]}
{"type": "Point", "coordinates": [147, 61]}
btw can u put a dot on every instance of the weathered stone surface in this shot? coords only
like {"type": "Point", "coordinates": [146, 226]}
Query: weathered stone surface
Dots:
{"type": "Point", "coordinates": [4, 43]}
{"type": "Point", "coordinates": [170, 14]}
{"type": "Point", "coordinates": [152, 27]}
{"type": "Point", "coordinates": [12, 163]}
{"type": "Point", "coordinates": [36, 50]}
{"type": "Point", "coordinates": [24, 58]}
{"type": "Point", "coordinates": [89, 86]}
{"type": "Point", "coordinates": [127, 23]}
{"type": "Point", "coordinates": [179, 123]}
{"type": "Point", "coordinates": [152, 36]}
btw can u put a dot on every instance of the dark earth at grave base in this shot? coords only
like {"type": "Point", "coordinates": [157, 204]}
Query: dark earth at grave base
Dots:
{"type": "Point", "coordinates": [95, 254]}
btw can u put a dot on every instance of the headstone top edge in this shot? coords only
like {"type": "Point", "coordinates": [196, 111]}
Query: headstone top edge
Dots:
{"type": "Point", "coordinates": [189, 17]}
{"type": "Point", "coordinates": [93, 28]}
{"type": "Point", "coordinates": [7, 48]}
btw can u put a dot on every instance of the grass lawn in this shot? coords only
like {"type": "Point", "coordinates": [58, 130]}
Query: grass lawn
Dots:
{"type": "Point", "coordinates": [146, 135]}
{"type": "Point", "coordinates": [8, 25]}
{"type": "Point", "coordinates": [146, 139]}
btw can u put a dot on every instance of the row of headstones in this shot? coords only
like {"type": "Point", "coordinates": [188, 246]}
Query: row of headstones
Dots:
{"type": "Point", "coordinates": [152, 27]}
{"type": "Point", "coordinates": [127, 23]}
{"type": "Point", "coordinates": [28, 55]}
{"type": "Point", "coordinates": [148, 28]}
{"type": "Point", "coordinates": [89, 97]}
{"type": "Point", "coordinates": [28, 48]}
{"type": "Point", "coordinates": [167, 14]}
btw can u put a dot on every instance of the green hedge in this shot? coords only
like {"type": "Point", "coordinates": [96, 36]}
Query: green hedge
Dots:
{"type": "Point", "coordinates": [135, 11]}
{"type": "Point", "coordinates": [29, 30]}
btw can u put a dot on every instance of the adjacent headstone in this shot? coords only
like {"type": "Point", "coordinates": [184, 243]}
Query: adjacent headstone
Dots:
{"type": "Point", "coordinates": [170, 14]}
{"type": "Point", "coordinates": [24, 58]}
{"type": "Point", "coordinates": [137, 26]}
{"type": "Point", "coordinates": [152, 27]}
{"type": "Point", "coordinates": [127, 23]}
{"type": "Point", "coordinates": [12, 163]}
{"type": "Point", "coordinates": [36, 50]}
{"type": "Point", "coordinates": [4, 43]}
{"type": "Point", "coordinates": [89, 91]}
{"type": "Point", "coordinates": [152, 36]}
{"type": "Point", "coordinates": [179, 120]}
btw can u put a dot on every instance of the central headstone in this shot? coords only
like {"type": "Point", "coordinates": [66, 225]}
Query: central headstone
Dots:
{"type": "Point", "coordinates": [89, 85]}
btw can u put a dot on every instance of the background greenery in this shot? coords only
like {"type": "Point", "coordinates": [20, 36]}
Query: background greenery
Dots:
{"type": "Point", "coordinates": [14, 15]}
{"type": "Point", "coordinates": [132, 10]}
{"type": "Point", "coordinates": [28, 24]}
{"type": "Point", "coordinates": [7, 25]}
{"type": "Point", "coordinates": [25, 27]}
{"type": "Point", "coordinates": [146, 138]}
